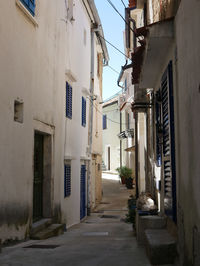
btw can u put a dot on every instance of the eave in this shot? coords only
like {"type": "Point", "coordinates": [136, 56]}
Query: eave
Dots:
{"type": "Point", "coordinates": [158, 42]}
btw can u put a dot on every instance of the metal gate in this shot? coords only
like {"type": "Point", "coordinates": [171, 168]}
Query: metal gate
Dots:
{"type": "Point", "coordinates": [83, 192]}
{"type": "Point", "coordinates": [168, 160]}
{"type": "Point", "coordinates": [38, 177]}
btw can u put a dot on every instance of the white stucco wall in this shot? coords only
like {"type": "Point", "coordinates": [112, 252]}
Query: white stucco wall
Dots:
{"type": "Point", "coordinates": [32, 70]}
{"type": "Point", "coordinates": [78, 63]}
{"type": "Point", "coordinates": [110, 138]}
{"type": "Point", "coordinates": [188, 126]}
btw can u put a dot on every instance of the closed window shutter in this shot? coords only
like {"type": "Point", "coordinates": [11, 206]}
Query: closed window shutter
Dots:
{"type": "Point", "coordinates": [67, 180]}
{"type": "Point", "coordinates": [169, 167]}
{"type": "Point", "coordinates": [158, 127]}
{"type": "Point", "coordinates": [30, 5]}
{"type": "Point", "coordinates": [68, 101]}
{"type": "Point", "coordinates": [83, 112]}
{"type": "Point", "coordinates": [83, 192]}
{"type": "Point", "coordinates": [104, 121]}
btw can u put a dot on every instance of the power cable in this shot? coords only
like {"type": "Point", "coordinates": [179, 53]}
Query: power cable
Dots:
{"type": "Point", "coordinates": [106, 117]}
{"type": "Point", "coordinates": [120, 15]}
{"type": "Point", "coordinates": [123, 3]}
{"type": "Point", "coordinates": [113, 46]}
{"type": "Point", "coordinates": [113, 69]}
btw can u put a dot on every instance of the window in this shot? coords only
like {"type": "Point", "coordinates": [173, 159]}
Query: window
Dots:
{"type": "Point", "coordinates": [99, 64]}
{"type": "Point", "coordinates": [68, 101]}
{"type": "Point", "coordinates": [70, 10]}
{"type": "Point", "coordinates": [104, 121]}
{"type": "Point", "coordinates": [30, 5]}
{"type": "Point", "coordinates": [85, 37]}
{"type": "Point", "coordinates": [67, 180]}
{"type": "Point", "coordinates": [128, 121]}
{"type": "Point", "coordinates": [18, 111]}
{"type": "Point", "coordinates": [83, 112]}
{"type": "Point", "coordinates": [125, 84]}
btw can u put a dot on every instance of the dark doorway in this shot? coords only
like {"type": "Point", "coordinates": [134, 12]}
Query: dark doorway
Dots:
{"type": "Point", "coordinates": [83, 192]}
{"type": "Point", "coordinates": [108, 158]}
{"type": "Point", "coordinates": [38, 177]}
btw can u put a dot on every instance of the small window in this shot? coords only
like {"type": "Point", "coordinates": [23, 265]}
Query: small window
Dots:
{"type": "Point", "coordinates": [99, 64]}
{"type": "Point", "coordinates": [83, 112]}
{"type": "Point", "coordinates": [85, 37]}
{"type": "Point", "coordinates": [125, 84]}
{"type": "Point", "coordinates": [104, 121]}
{"type": "Point", "coordinates": [30, 5]}
{"type": "Point", "coordinates": [128, 121]}
{"type": "Point", "coordinates": [68, 101]}
{"type": "Point", "coordinates": [18, 111]}
{"type": "Point", "coordinates": [70, 10]}
{"type": "Point", "coordinates": [67, 180]}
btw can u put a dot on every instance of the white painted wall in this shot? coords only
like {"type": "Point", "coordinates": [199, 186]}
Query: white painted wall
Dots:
{"type": "Point", "coordinates": [188, 127]}
{"type": "Point", "coordinates": [32, 70]}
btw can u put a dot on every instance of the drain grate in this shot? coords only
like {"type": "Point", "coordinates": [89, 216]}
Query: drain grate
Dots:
{"type": "Point", "coordinates": [42, 246]}
{"type": "Point", "coordinates": [110, 216]}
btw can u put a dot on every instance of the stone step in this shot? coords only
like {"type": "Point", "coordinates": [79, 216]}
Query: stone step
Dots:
{"type": "Point", "coordinates": [50, 231]}
{"type": "Point", "coordinates": [40, 225]}
{"type": "Point", "coordinates": [149, 222]}
{"type": "Point", "coordinates": [160, 246]}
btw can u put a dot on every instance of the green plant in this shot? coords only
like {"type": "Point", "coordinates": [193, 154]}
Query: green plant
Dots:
{"type": "Point", "coordinates": [124, 171]}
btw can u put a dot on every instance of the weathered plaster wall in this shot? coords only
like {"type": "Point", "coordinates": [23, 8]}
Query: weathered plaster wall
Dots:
{"type": "Point", "coordinates": [30, 72]}
{"type": "Point", "coordinates": [77, 61]}
{"type": "Point", "coordinates": [188, 64]}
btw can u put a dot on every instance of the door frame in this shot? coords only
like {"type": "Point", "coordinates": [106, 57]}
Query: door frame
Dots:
{"type": "Point", "coordinates": [48, 165]}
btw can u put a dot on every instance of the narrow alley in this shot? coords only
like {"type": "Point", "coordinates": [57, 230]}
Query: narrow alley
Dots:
{"type": "Point", "coordinates": [101, 239]}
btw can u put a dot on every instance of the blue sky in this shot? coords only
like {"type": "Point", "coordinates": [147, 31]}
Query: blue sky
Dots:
{"type": "Point", "coordinates": [113, 27]}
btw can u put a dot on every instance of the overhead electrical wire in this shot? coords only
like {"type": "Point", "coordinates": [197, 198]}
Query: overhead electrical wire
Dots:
{"type": "Point", "coordinates": [113, 46]}
{"type": "Point", "coordinates": [123, 3]}
{"type": "Point", "coordinates": [113, 69]}
{"type": "Point", "coordinates": [113, 6]}
{"type": "Point", "coordinates": [103, 114]}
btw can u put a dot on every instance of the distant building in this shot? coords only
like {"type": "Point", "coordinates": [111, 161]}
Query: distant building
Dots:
{"type": "Point", "coordinates": [113, 148]}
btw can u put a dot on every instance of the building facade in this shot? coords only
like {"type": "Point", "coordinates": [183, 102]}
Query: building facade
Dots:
{"type": "Point", "coordinates": [45, 107]}
{"type": "Point", "coordinates": [162, 43]}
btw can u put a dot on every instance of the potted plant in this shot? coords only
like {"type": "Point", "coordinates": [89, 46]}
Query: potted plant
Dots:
{"type": "Point", "coordinates": [125, 175]}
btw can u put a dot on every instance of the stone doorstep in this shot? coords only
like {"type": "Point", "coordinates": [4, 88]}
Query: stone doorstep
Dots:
{"type": "Point", "coordinates": [160, 246]}
{"type": "Point", "coordinates": [40, 225]}
{"type": "Point", "coordinates": [50, 231]}
{"type": "Point", "coordinates": [149, 222]}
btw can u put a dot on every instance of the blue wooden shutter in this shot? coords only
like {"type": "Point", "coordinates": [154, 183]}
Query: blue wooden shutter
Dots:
{"type": "Point", "coordinates": [158, 128]}
{"type": "Point", "coordinates": [67, 180]}
{"type": "Point", "coordinates": [30, 5]}
{"type": "Point", "coordinates": [83, 112]}
{"type": "Point", "coordinates": [83, 192]}
{"type": "Point", "coordinates": [68, 101]}
{"type": "Point", "coordinates": [169, 166]}
{"type": "Point", "coordinates": [104, 121]}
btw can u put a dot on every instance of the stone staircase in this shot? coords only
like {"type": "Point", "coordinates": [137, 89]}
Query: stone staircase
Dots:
{"type": "Point", "coordinates": [44, 229]}
{"type": "Point", "coordinates": [154, 233]}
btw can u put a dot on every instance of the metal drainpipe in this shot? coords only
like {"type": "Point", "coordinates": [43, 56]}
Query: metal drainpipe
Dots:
{"type": "Point", "coordinates": [91, 120]}
{"type": "Point", "coordinates": [136, 154]}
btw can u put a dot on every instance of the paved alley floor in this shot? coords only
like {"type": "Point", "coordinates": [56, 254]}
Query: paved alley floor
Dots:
{"type": "Point", "coordinates": [102, 239]}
